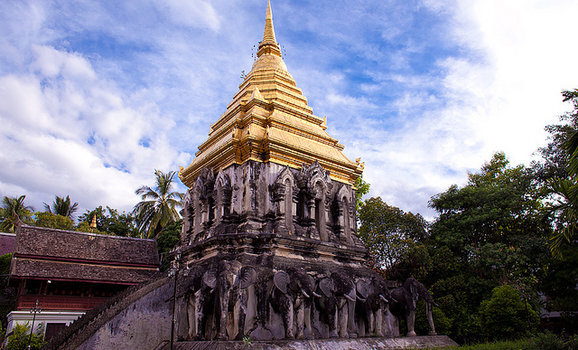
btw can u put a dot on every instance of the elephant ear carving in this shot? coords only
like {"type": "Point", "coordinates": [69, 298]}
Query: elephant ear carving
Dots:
{"type": "Point", "coordinates": [281, 280]}
{"type": "Point", "coordinates": [248, 277]}
{"type": "Point", "coordinates": [327, 287]}
{"type": "Point", "coordinates": [210, 279]}
{"type": "Point", "coordinates": [362, 289]}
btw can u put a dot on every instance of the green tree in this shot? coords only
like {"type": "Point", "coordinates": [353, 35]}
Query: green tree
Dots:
{"type": "Point", "coordinates": [167, 241]}
{"type": "Point", "coordinates": [362, 188]}
{"type": "Point", "coordinates": [558, 174]}
{"type": "Point", "coordinates": [10, 207]}
{"type": "Point", "coordinates": [506, 316]}
{"type": "Point", "coordinates": [158, 207]}
{"type": "Point", "coordinates": [20, 338]}
{"type": "Point", "coordinates": [387, 231]}
{"type": "Point", "coordinates": [49, 220]}
{"type": "Point", "coordinates": [490, 232]}
{"type": "Point", "coordinates": [62, 206]}
{"type": "Point", "coordinates": [110, 221]}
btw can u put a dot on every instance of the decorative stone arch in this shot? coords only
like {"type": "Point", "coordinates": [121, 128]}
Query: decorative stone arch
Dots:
{"type": "Point", "coordinates": [285, 184]}
{"type": "Point", "coordinates": [203, 197]}
{"type": "Point", "coordinates": [317, 186]}
{"type": "Point", "coordinates": [188, 216]}
{"type": "Point", "coordinates": [344, 200]}
{"type": "Point", "coordinates": [223, 197]}
{"type": "Point", "coordinates": [198, 213]}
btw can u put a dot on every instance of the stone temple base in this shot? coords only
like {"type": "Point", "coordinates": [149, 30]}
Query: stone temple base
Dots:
{"type": "Point", "coordinates": [425, 342]}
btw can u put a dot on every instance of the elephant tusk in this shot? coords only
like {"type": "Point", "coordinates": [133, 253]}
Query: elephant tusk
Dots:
{"type": "Point", "coordinates": [316, 295]}
{"type": "Point", "coordinates": [384, 298]}
{"type": "Point", "coordinates": [305, 294]}
{"type": "Point", "coordinates": [349, 298]}
{"type": "Point", "coordinates": [361, 299]}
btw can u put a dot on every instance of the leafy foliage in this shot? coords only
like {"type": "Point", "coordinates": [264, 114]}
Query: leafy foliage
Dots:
{"type": "Point", "coordinates": [20, 337]}
{"type": "Point", "coordinates": [110, 221]}
{"type": "Point", "coordinates": [387, 231]}
{"type": "Point", "coordinates": [10, 207]}
{"type": "Point", "coordinates": [506, 316]}
{"type": "Point", "coordinates": [362, 189]}
{"type": "Point", "coordinates": [158, 207]}
{"type": "Point", "coordinates": [490, 232]}
{"type": "Point", "coordinates": [560, 173]}
{"type": "Point", "coordinates": [50, 220]}
{"type": "Point", "coordinates": [62, 206]}
{"type": "Point", "coordinates": [167, 241]}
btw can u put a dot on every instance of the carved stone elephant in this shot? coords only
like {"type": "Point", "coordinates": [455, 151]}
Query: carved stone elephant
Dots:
{"type": "Point", "coordinates": [292, 298]}
{"type": "Point", "coordinates": [404, 301]}
{"type": "Point", "coordinates": [372, 302]}
{"type": "Point", "coordinates": [242, 288]}
{"type": "Point", "coordinates": [197, 296]}
{"type": "Point", "coordinates": [226, 276]}
{"type": "Point", "coordinates": [337, 303]}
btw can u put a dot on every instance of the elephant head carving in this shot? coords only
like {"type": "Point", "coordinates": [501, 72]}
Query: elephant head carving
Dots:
{"type": "Point", "coordinates": [372, 297]}
{"type": "Point", "coordinates": [338, 296]}
{"type": "Point", "coordinates": [404, 300]}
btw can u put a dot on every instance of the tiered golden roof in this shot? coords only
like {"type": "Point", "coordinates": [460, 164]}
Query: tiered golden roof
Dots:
{"type": "Point", "coordinates": [269, 121]}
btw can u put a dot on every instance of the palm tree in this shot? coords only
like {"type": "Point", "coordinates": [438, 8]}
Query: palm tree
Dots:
{"type": "Point", "coordinates": [13, 210]}
{"type": "Point", "coordinates": [62, 206]}
{"type": "Point", "coordinates": [158, 207]}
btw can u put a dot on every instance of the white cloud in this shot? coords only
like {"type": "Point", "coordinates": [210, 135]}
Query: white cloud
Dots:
{"type": "Point", "coordinates": [69, 132]}
{"type": "Point", "coordinates": [198, 13]}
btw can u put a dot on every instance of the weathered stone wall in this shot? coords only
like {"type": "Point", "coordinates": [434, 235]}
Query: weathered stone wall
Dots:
{"type": "Point", "coordinates": [138, 315]}
{"type": "Point", "coordinates": [144, 324]}
{"type": "Point", "coordinates": [257, 197]}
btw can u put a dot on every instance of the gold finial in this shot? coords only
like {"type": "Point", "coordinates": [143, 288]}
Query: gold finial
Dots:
{"type": "Point", "coordinates": [93, 223]}
{"type": "Point", "coordinates": [269, 35]}
{"type": "Point", "coordinates": [269, 43]}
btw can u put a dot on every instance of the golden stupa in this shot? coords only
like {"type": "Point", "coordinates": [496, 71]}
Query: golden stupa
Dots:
{"type": "Point", "coordinates": [269, 121]}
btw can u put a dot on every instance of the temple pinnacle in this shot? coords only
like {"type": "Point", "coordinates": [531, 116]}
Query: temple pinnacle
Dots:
{"type": "Point", "coordinates": [269, 43]}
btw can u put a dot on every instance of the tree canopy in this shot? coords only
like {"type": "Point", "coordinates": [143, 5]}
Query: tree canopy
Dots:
{"type": "Point", "coordinates": [62, 206]}
{"type": "Point", "coordinates": [158, 207]}
{"type": "Point", "coordinates": [13, 210]}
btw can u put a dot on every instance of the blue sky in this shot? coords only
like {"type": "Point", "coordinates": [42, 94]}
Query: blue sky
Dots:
{"type": "Point", "coordinates": [95, 95]}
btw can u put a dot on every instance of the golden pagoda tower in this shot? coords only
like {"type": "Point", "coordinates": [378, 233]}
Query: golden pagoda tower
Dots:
{"type": "Point", "coordinates": [269, 165]}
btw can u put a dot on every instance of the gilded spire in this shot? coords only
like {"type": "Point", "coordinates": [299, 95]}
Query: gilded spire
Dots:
{"type": "Point", "coordinates": [269, 43]}
{"type": "Point", "coordinates": [269, 34]}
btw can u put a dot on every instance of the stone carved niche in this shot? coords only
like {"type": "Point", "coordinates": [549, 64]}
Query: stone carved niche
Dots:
{"type": "Point", "coordinates": [259, 197]}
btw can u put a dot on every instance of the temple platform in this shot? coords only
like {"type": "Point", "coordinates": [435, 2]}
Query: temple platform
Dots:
{"type": "Point", "coordinates": [423, 342]}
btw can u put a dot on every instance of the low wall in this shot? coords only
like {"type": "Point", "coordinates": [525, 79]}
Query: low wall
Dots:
{"type": "Point", "coordinates": [426, 342]}
{"type": "Point", "coordinates": [138, 319]}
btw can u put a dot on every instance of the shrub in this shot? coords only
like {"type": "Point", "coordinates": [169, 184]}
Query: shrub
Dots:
{"type": "Point", "coordinates": [19, 338]}
{"type": "Point", "coordinates": [506, 316]}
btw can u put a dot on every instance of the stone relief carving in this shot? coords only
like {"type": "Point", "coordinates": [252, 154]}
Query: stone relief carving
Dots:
{"type": "Point", "coordinates": [264, 198]}
{"type": "Point", "coordinates": [229, 301]}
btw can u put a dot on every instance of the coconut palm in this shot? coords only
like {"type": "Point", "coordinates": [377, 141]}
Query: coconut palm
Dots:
{"type": "Point", "coordinates": [62, 206]}
{"type": "Point", "coordinates": [158, 207]}
{"type": "Point", "coordinates": [13, 210]}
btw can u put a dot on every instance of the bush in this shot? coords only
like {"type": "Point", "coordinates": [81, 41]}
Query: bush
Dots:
{"type": "Point", "coordinates": [546, 341]}
{"type": "Point", "coordinates": [506, 316]}
{"type": "Point", "coordinates": [19, 338]}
